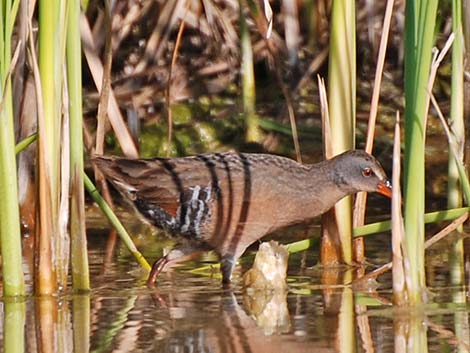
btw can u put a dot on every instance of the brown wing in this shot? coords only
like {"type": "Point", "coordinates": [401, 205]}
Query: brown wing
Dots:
{"type": "Point", "coordinates": [158, 182]}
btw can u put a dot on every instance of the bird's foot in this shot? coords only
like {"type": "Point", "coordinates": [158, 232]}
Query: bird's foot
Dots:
{"type": "Point", "coordinates": [157, 267]}
{"type": "Point", "coordinates": [227, 263]}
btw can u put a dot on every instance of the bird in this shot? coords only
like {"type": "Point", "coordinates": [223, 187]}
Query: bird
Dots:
{"type": "Point", "coordinates": [227, 201]}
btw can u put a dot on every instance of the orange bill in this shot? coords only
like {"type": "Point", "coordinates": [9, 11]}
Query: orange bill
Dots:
{"type": "Point", "coordinates": [385, 188]}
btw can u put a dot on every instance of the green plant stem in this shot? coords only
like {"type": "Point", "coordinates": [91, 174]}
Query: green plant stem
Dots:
{"type": "Point", "coordinates": [115, 222]}
{"type": "Point", "coordinates": [10, 233]}
{"type": "Point", "coordinates": [342, 107]}
{"type": "Point", "coordinates": [79, 253]}
{"type": "Point", "coordinates": [23, 144]}
{"type": "Point", "coordinates": [454, 193]}
{"type": "Point", "coordinates": [420, 18]}
{"type": "Point", "coordinates": [103, 205]}
{"type": "Point", "coordinates": [432, 217]}
{"type": "Point", "coordinates": [49, 127]}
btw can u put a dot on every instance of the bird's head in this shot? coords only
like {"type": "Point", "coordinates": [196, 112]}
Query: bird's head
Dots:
{"type": "Point", "coordinates": [357, 170]}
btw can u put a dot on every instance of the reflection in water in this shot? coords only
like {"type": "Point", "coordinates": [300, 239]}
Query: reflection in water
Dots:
{"type": "Point", "coordinates": [13, 326]}
{"type": "Point", "coordinates": [191, 313]}
{"type": "Point", "coordinates": [200, 319]}
{"type": "Point", "coordinates": [269, 310]}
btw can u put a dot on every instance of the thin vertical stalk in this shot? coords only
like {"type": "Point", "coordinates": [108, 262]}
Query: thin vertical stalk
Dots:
{"type": "Point", "coordinates": [10, 235]}
{"type": "Point", "coordinates": [292, 30]}
{"type": "Point", "coordinates": [47, 227]}
{"type": "Point", "coordinates": [102, 114]}
{"type": "Point", "coordinates": [80, 274]}
{"type": "Point", "coordinates": [361, 198]}
{"type": "Point", "coordinates": [456, 262]}
{"type": "Point", "coordinates": [398, 272]}
{"type": "Point", "coordinates": [454, 194]}
{"type": "Point", "coordinates": [342, 91]}
{"type": "Point", "coordinates": [62, 243]}
{"type": "Point", "coordinates": [248, 80]}
{"type": "Point", "coordinates": [168, 102]}
{"type": "Point", "coordinates": [51, 59]}
{"type": "Point", "coordinates": [419, 30]}
{"type": "Point", "coordinates": [264, 24]}
{"type": "Point", "coordinates": [342, 75]}
{"type": "Point", "coordinates": [466, 39]}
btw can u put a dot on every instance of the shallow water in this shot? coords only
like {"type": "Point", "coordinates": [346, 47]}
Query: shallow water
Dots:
{"type": "Point", "coordinates": [190, 312]}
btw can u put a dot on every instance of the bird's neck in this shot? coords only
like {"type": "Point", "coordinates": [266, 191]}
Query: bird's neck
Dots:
{"type": "Point", "coordinates": [312, 194]}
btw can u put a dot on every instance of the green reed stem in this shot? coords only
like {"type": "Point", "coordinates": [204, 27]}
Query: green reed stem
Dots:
{"type": "Point", "coordinates": [432, 217]}
{"type": "Point", "coordinates": [23, 144]}
{"type": "Point", "coordinates": [456, 119]}
{"type": "Point", "coordinates": [342, 102]}
{"type": "Point", "coordinates": [95, 195]}
{"type": "Point", "coordinates": [79, 253]}
{"type": "Point", "coordinates": [50, 268]}
{"type": "Point", "coordinates": [10, 233]}
{"type": "Point", "coordinates": [115, 222]}
{"type": "Point", "coordinates": [454, 193]}
{"type": "Point", "coordinates": [419, 32]}
{"type": "Point", "coordinates": [457, 253]}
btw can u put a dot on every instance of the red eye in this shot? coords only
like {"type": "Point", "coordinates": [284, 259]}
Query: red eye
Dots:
{"type": "Point", "coordinates": [367, 172]}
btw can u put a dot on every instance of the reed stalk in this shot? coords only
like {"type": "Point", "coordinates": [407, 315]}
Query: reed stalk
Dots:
{"type": "Point", "coordinates": [342, 98]}
{"type": "Point", "coordinates": [168, 100]}
{"type": "Point", "coordinates": [456, 120]}
{"type": "Point", "coordinates": [253, 133]}
{"type": "Point", "coordinates": [79, 253]}
{"type": "Point", "coordinates": [264, 22]}
{"type": "Point", "coordinates": [51, 58]}
{"type": "Point", "coordinates": [419, 31]}
{"type": "Point", "coordinates": [115, 222]}
{"type": "Point", "coordinates": [361, 197]}
{"type": "Point", "coordinates": [454, 194]}
{"type": "Point", "coordinates": [10, 235]}
{"type": "Point", "coordinates": [431, 217]}
{"type": "Point", "coordinates": [399, 283]}
{"type": "Point", "coordinates": [456, 262]}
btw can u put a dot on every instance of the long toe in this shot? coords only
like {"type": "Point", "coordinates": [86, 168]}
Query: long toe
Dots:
{"type": "Point", "coordinates": [156, 269]}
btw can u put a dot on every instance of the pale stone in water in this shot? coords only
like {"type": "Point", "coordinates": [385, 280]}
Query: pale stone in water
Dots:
{"type": "Point", "coordinates": [269, 269]}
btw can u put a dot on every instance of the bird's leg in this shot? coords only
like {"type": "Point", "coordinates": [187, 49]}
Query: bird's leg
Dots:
{"type": "Point", "coordinates": [176, 255]}
{"type": "Point", "coordinates": [157, 267]}
{"type": "Point", "coordinates": [227, 263]}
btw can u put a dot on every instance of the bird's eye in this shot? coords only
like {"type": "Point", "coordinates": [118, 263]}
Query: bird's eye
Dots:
{"type": "Point", "coordinates": [367, 172]}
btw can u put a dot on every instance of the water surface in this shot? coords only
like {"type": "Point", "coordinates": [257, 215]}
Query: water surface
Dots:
{"type": "Point", "coordinates": [193, 312]}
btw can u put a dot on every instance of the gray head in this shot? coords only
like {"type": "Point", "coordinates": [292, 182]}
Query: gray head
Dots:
{"type": "Point", "coordinates": [357, 170]}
